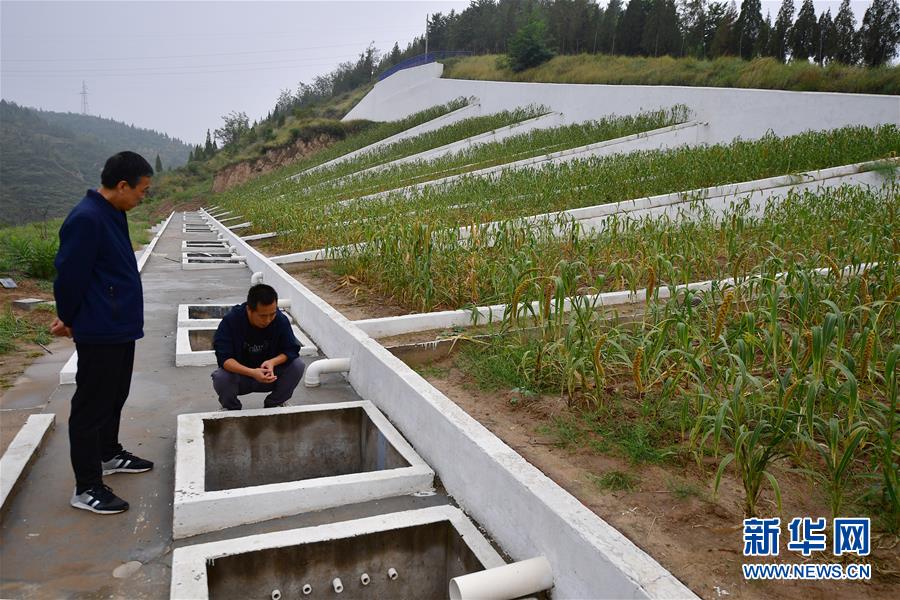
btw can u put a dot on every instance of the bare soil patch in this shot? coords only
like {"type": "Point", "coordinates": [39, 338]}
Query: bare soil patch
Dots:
{"type": "Point", "coordinates": [348, 296]}
{"type": "Point", "coordinates": [13, 363]}
{"type": "Point", "coordinates": [669, 511]}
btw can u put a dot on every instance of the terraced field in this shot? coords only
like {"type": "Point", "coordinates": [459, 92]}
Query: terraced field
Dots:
{"type": "Point", "coordinates": [772, 386]}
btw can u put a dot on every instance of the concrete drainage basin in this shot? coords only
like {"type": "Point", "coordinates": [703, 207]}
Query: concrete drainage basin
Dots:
{"type": "Point", "coordinates": [253, 465]}
{"type": "Point", "coordinates": [411, 554]}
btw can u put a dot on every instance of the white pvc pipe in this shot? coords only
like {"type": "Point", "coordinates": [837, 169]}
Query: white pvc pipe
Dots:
{"type": "Point", "coordinates": [504, 583]}
{"type": "Point", "coordinates": [328, 365]}
{"type": "Point", "coordinates": [364, 579]}
{"type": "Point", "coordinates": [257, 277]}
{"type": "Point", "coordinates": [307, 589]}
{"type": "Point", "coordinates": [392, 574]}
{"type": "Point", "coordinates": [338, 586]}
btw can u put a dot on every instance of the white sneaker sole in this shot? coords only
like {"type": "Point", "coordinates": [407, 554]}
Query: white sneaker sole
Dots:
{"type": "Point", "coordinates": [83, 506]}
{"type": "Point", "coordinates": [125, 470]}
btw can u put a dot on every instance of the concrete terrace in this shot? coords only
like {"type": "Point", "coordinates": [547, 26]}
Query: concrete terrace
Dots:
{"type": "Point", "coordinates": [49, 549]}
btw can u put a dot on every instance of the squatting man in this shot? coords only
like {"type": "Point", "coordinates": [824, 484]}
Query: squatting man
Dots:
{"type": "Point", "coordinates": [256, 352]}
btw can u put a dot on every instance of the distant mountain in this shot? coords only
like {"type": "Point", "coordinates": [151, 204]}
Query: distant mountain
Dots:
{"type": "Point", "coordinates": [49, 159]}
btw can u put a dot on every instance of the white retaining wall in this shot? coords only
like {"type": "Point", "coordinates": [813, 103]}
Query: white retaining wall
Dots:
{"type": "Point", "coordinates": [731, 112]}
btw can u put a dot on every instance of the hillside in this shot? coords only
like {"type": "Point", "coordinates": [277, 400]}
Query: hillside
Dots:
{"type": "Point", "coordinates": [725, 71]}
{"type": "Point", "coordinates": [48, 160]}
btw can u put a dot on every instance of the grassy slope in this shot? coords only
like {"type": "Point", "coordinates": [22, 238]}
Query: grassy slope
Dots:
{"type": "Point", "coordinates": [764, 73]}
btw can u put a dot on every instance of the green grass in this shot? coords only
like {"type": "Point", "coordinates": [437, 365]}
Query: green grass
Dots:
{"type": "Point", "coordinates": [682, 489]}
{"type": "Point", "coordinates": [764, 73]}
{"type": "Point", "coordinates": [614, 481]}
{"type": "Point", "coordinates": [448, 134]}
{"type": "Point", "coordinates": [30, 249]}
{"type": "Point", "coordinates": [14, 329]}
{"type": "Point", "coordinates": [800, 366]}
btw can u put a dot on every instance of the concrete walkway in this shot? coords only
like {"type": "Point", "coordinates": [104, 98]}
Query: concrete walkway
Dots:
{"type": "Point", "coordinates": [51, 550]}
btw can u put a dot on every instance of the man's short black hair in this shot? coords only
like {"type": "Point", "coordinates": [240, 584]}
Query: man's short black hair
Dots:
{"type": "Point", "coordinates": [125, 166]}
{"type": "Point", "coordinates": [261, 294]}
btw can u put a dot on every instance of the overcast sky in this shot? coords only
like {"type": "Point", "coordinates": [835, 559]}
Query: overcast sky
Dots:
{"type": "Point", "coordinates": [177, 67]}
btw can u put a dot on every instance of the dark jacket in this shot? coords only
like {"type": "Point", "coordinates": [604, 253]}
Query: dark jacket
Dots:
{"type": "Point", "coordinates": [236, 338]}
{"type": "Point", "coordinates": [98, 288]}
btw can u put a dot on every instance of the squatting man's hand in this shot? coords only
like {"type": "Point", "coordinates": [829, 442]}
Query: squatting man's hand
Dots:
{"type": "Point", "coordinates": [265, 373]}
{"type": "Point", "coordinates": [58, 328]}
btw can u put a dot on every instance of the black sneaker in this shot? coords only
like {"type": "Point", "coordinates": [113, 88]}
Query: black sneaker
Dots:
{"type": "Point", "coordinates": [99, 499]}
{"type": "Point", "coordinates": [125, 462]}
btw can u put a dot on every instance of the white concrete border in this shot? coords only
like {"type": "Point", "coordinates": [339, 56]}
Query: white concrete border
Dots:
{"type": "Point", "coordinates": [545, 121]}
{"type": "Point", "coordinates": [388, 326]}
{"type": "Point", "coordinates": [21, 453]}
{"type": "Point", "coordinates": [201, 245]}
{"type": "Point", "coordinates": [232, 262]}
{"type": "Point", "coordinates": [521, 508]}
{"type": "Point", "coordinates": [189, 575]}
{"type": "Point", "coordinates": [260, 236]}
{"type": "Point", "coordinates": [198, 511]}
{"type": "Point", "coordinates": [436, 123]}
{"type": "Point", "coordinates": [185, 356]}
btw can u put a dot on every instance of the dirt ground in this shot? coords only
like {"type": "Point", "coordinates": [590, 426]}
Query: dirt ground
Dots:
{"type": "Point", "coordinates": [349, 297]}
{"type": "Point", "coordinates": [14, 363]}
{"type": "Point", "coordinates": [670, 512]}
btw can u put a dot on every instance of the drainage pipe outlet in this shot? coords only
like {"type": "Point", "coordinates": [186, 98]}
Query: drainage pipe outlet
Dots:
{"type": "Point", "coordinates": [504, 583]}
{"type": "Point", "coordinates": [327, 365]}
{"type": "Point", "coordinates": [338, 586]}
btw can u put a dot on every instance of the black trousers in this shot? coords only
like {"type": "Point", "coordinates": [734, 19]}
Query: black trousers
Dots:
{"type": "Point", "coordinates": [102, 383]}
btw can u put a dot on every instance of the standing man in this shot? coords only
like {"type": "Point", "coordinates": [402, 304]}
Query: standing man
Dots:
{"type": "Point", "coordinates": [256, 351]}
{"type": "Point", "coordinates": [100, 303]}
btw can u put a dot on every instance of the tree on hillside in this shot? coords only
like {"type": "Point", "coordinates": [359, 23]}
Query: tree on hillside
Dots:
{"type": "Point", "coordinates": [826, 44]}
{"type": "Point", "coordinates": [749, 24]}
{"type": "Point", "coordinates": [571, 24]}
{"type": "Point", "coordinates": [779, 40]}
{"type": "Point", "coordinates": [631, 27]}
{"type": "Point", "coordinates": [236, 125]}
{"type": "Point", "coordinates": [209, 148]}
{"type": "Point", "coordinates": [693, 23]}
{"type": "Point", "coordinates": [724, 42]}
{"type": "Point", "coordinates": [846, 39]}
{"type": "Point", "coordinates": [762, 42]}
{"type": "Point", "coordinates": [158, 167]}
{"type": "Point", "coordinates": [715, 13]}
{"type": "Point", "coordinates": [528, 47]}
{"type": "Point", "coordinates": [880, 32]}
{"type": "Point", "coordinates": [804, 34]}
{"type": "Point", "coordinates": [661, 32]}
{"type": "Point", "coordinates": [606, 34]}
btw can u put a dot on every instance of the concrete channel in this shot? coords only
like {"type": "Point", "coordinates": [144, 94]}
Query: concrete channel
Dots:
{"type": "Point", "coordinates": [331, 495]}
{"type": "Point", "coordinates": [51, 550]}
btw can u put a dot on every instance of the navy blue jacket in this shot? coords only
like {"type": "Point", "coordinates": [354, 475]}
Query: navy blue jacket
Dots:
{"type": "Point", "coordinates": [98, 288]}
{"type": "Point", "coordinates": [236, 338]}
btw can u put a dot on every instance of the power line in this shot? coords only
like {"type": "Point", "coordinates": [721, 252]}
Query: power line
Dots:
{"type": "Point", "coordinates": [27, 74]}
{"type": "Point", "coordinates": [214, 54]}
{"type": "Point", "coordinates": [148, 70]}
